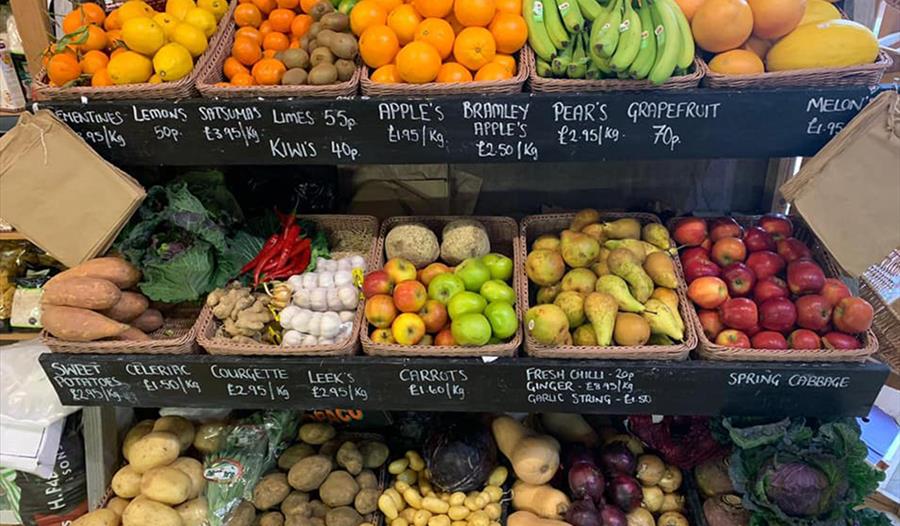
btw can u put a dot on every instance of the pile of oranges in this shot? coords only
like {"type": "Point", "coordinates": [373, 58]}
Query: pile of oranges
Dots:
{"type": "Point", "coordinates": [439, 40]}
{"type": "Point", "coordinates": [133, 43]}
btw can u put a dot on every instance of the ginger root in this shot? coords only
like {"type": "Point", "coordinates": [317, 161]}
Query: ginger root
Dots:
{"type": "Point", "coordinates": [244, 315]}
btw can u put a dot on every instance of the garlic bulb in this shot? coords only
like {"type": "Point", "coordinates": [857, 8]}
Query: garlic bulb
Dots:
{"type": "Point", "coordinates": [330, 324]}
{"type": "Point", "coordinates": [309, 339]}
{"type": "Point", "coordinates": [343, 277]}
{"type": "Point", "coordinates": [318, 300]}
{"type": "Point", "coordinates": [333, 300]}
{"type": "Point", "coordinates": [295, 282]}
{"type": "Point", "coordinates": [326, 341]}
{"type": "Point", "coordinates": [328, 265]}
{"type": "Point", "coordinates": [326, 280]}
{"type": "Point", "coordinates": [302, 298]}
{"type": "Point", "coordinates": [345, 263]}
{"type": "Point", "coordinates": [300, 320]}
{"type": "Point", "coordinates": [290, 338]}
{"type": "Point", "coordinates": [358, 262]}
{"type": "Point", "coordinates": [310, 280]}
{"type": "Point", "coordinates": [349, 297]}
{"type": "Point", "coordinates": [345, 331]}
{"type": "Point", "coordinates": [347, 315]}
{"type": "Point", "coordinates": [315, 324]}
{"type": "Point", "coordinates": [286, 314]}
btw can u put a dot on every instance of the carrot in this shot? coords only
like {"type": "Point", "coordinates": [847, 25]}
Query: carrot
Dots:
{"type": "Point", "coordinates": [130, 306]}
{"type": "Point", "coordinates": [79, 325]}
{"type": "Point", "coordinates": [84, 292]}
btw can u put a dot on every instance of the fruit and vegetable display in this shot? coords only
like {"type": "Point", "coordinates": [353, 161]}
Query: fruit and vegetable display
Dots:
{"type": "Point", "coordinates": [440, 41]}
{"type": "Point", "coordinates": [290, 43]}
{"type": "Point", "coordinates": [133, 43]}
{"type": "Point", "coordinates": [759, 287]}
{"type": "Point", "coordinates": [602, 283]}
{"type": "Point", "coordinates": [452, 291]}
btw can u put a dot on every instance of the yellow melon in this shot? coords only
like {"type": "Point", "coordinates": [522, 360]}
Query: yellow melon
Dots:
{"type": "Point", "coordinates": [831, 44]}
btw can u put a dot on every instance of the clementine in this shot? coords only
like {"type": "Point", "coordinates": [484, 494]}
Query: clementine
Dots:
{"type": "Point", "coordinates": [265, 6]}
{"type": "Point", "coordinates": [389, 5]}
{"type": "Point", "coordinates": [288, 4]}
{"type": "Point", "coordinates": [404, 20]}
{"type": "Point", "coordinates": [300, 25]}
{"type": "Point", "coordinates": [232, 67]}
{"type": "Point", "coordinates": [268, 72]}
{"type": "Point", "coordinates": [265, 28]}
{"type": "Point", "coordinates": [112, 21]}
{"type": "Point", "coordinates": [453, 72]}
{"type": "Point", "coordinates": [93, 13]}
{"type": "Point", "coordinates": [438, 33]}
{"type": "Point", "coordinates": [474, 47]}
{"type": "Point", "coordinates": [454, 23]}
{"type": "Point", "coordinates": [63, 68]}
{"type": "Point", "coordinates": [93, 61]}
{"type": "Point", "coordinates": [509, 31]}
{"type": "Point", "coordinates": [474, 13]}
{"type": "Point", "coordinates": [386, 74]}
{"type": "Point", "coordinates": [243, 79]}
{"type": "Point", "coordinates": [72, 21]}
{"type": "Point", "coordinates": [114, 39]}
{"type": "Point", "coordinates": [433, 8]}
{"type": "Point", "coordinates": [366, 14]}
{"type": "Point", "coordinates": [96, 39]}
{"type": "Point", "coordinates": [307, 5]}
{"type": "Point", "coordinates": [378, 45]}
{"type": "Point", "coordinates": [281, 20]}
{"type": "Point", "coordinates": [247, 15]}
{"type": "Point", "coordinates": [418, 63]}
{"type": "Point", "coordinates": [276, 41]}
{"type": "Point", "coordinates": [250, 32]}
{"type": "Point", "coordinates": [101, 78]}
{"type": "Point", "coordinates": [246, 51]}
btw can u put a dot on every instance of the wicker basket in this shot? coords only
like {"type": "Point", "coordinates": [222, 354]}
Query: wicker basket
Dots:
{"type": "Point", "coordinates": [545, 85]}
{"type": "Point", "coordinates": [503, 233]}
{"type": "Point", "coordinates": [337, 227]}
{"type": "Point", "coordinates": [711, 351]}
{"type": "Point", "coordinates": [536, 225]}
{"type": "Point", "coordinates": [180, 89]}
{"type": "Point", "coordinates": [878, 287]}
{"type": "Point", "coordinates": [178, 335]}
{"type": "Point", "coordinates": [513, 85]}
{"type": "Point", "coordinates": [212, 75]}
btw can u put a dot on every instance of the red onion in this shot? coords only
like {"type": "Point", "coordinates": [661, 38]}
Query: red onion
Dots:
{"type": "Point", "coordinates": [617, 458]}
{"type": "Point", "coordinates": [625, 492]}
{"type": "Point", "coordinates": [586, 481]}
{"type": "Point", "coordinates": [613, 516]}
{"type": "Point", "coordinates": [583, 513]}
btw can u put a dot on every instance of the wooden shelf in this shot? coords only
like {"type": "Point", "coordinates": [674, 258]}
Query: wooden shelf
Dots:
{"type": "Point", "coordinates": [12, 236]}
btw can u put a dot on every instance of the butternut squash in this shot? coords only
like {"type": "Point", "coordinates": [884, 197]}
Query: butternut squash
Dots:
{"type": "Point", "coordinates": [571, 427]}
{"type": "Point", "coordinates": [830, 44]}
{"type": "Point", "coordinates": [535, 458]}
{"type": "Point", "coordinates": [545, 501]}
{"type": "Point", "coordinates": [526, 518]}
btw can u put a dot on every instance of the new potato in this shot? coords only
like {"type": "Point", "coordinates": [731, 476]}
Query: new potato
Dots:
{"type": "Point", "coordinates": [126, 483]}
{"type": "Point", "coordinates": [134, 434]}
{"type": "Point", "coordinates": [166, 485]}
{"type": "Point", "coordinates": [102, 517]}
{"type": "Point", "coordinates": [194, 470]}
{"type": "Point", "coordinates": [271, 491]}
{"type": "Point", "coordinates": [146, 512]}
{"type": "Point", "coordinates": [157, 448]}
{"type": "Point", "coordinates": [118, 505]}
{"type": "Point", "coordinates": [309, 473]}
{"type": "Point", "coordinates": [179, 426]}
{"type": "Point", "coordinates": [193, 512]}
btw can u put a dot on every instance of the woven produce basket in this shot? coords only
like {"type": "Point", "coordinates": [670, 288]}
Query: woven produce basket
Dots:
{"type": "Point", "coordinates": [348, 235]}
{"type": "Point", "coordinates": [546, 85]}
{"type": "Point", "coordinates": [178, 335]}
{"type": "Point", "coordinates": [503, 234]}
{"type": "Point", "coordinates": [536, 225]}
{"type": "Point", "coordinates": [879, 287]}
{"type": "Point", "coordinates": [865, 75]}
{"type": "Point", "coordinates": [208, 79]}
{"type": "Point", "coordinates": [513, 85]}
{"type": "Point", "coordinates": [709, 350]}
{"type": "Point", "coordinates": [180, 89]}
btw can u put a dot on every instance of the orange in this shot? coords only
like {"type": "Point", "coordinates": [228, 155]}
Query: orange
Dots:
{"type": "Point", "coordinates": [404, 20]}
{"type": "Point", "coordinates": [93, 13]}
{"type": "Point", "coordinates": [276, 41]}
{"type": "Point", "coordinates": [265, 28]}
{"type": "Point", "coordinates": [509, 31]}
{"type": "Point", "coordinates": [93, 61]}
{"type": "Point", "coordinates": [300, 25]}
{"type": "Point", "coordinates": [366, 14]}
{"type": "Point", "coordinates": [513, 7]}
{"type": "Point", "coordinates": [453, 72]}
{"type": "Point", "coordinates": [474, 47]}
{"type": "Point", "coordinates": [307, 5]}
{"type": "Point", "coordinates": [246, 51]}
{"type": "Point", "coordinates": [250, 32]}
{"type": "Point", "coordinates": [492, 71]}
{"type": "Point", "coordinates": [270, 53]}
{"type": "Point", "coordinates": [96, 39]}
{"type": "Point", "coordinates": [378, 45]}
{"type": "Point", "coordinates": [268, 72]}
{"type": "Point", "coordinates": [63, 68]}
{"type": "Point", "coordinates": [389, 5]}
{"type": "Point", "coordinates": [265, 6]}
{"type": "Point", "coordinates": [243, 79]}
{"type": "Point", "coordinates": [474, 13]}
{"type": "Point", "coordinates": [454, 23]}
{"type": "Point", "coordinates": [776, 18]}
{"type": "Point", "coordinates": [288, 4]}
{"type": "Point", "coordinates": [418, 63]}
{"type": "Point", "coordinates": [689, 7]}
{"type": "Point", "coordinates": [281, 20]}
{"type": "Point", "coordinates": [232, 67]}
{"type": "Point", "coordinates": [101, 78]}
{"type": "Point", "coordinates": [737, 62]}
{"type": "Point", "coordinates": [433, 8]}
{"type": "Point", "coordinates": [507, 61]}
{"type": "Point", "coordinates": [386, 74]}
{"type": "Point", "coordinates": [73, 21]}
{"type": "Point", "coordinates": [438, 33]}
{"type": "Point", "coordinates": [112, 21]}
{"type": "Point", "coordinates": [247, 15]}
{"type": "Point", "coordinates": [720, 25]}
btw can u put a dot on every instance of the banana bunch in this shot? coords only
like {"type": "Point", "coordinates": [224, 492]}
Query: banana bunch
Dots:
{"type": "Point", "coordinates": [582, 39]}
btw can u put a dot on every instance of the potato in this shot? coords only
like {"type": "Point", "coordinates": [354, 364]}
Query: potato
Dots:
{"type": "Point", "coordinates": [101, 517]}
{"type": "Point", "coordinates": [296, 503]}
{"type": "Point", "coordinates": [122, 273]}
{"type": "Point", "coordinates": [243, 515]}
{"type": "Point", "coordinates": [126, 483]}
{"type": "Point", "coordinates": [167, 485]}
{"type": "Point", "coordinates": [79, 325]}
{"type": "Point", "coordinates": [83, 292]}
{"type": "Point", "coordinates": [367, 479]}
{"type": "Point", "coordinates": [318, 508]}
{"type": "Point", "coordinates": [343, 516]}
{"type": "Point", "coordinates": [147, 512]}
{"type": "Point", "coordinates": [149, 320]}
{"type": "Point", "coordinates": [366, 500]}
{"type": "Point", "coordinates": [208, 437]}
{"type": "Point", "coordinates": [134, 434]}
{"type": "Point", "coordinates": [118, 505]}
{"type": "Point", "coordinates": [339, 489]}
{"type": "Point", "coordinates": [157, 448]}
{"type": "Point", "coordinates": [193, 512]}
{"type": "Point", "coordinates": [349, 458]}
{"type": "Point", "coordinates": [300, 520]}
{"type": "Point", "coordinates": [330, 448]}
{"type": "Point", "coordinates": [178, 426]}
{"type": "Point", "coordinates": [271, 518]}
{"type": "Point", "coordinates": [270, 491]}
{"type": "Point", "coordinates": [294, 454]}
{"type": "Point", "coordinates": [130, 306]}
{"type": "Point", "coordinates": [194, 470]}
{"type": "Point", "coordinates": [316, 433]}
{"type": "Point", "coordinates": [309, 473]}
{"type": "Point", "coordinates": [375, 454]}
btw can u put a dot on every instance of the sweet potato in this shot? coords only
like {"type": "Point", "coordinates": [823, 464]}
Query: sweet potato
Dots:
{"type": "Point", "coordinates": [130, 306]}
{"type": "Point", "coordinates": [87, 293]}
{"type": "Point", "coordinates": [132, 334]}
{"type": "Point", "coordinates": [122, 273]}
{"type": "Point", "coordinates": [149, 321]}
{"type": "Point", "coordinates": [79, 325]}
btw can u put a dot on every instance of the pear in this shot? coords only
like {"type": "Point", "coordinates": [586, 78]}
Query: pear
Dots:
{"type": "Point", "coordinates": [623, 263]}
{"type": "Point", "coordinates": [625, 228]}
{"type": "Point", "coordinates": [631, 329]}
{"type": "Point", "coordinates": [596, 231]}
{"type": "Point", "coordinates": [578, 250]}
{"type": "Point", "coordinates": [584, 336]}
{"type": "Point", "coordinates": [661, 269]}
{"type": "Point", "coordinates": [618, 289]}
{"type": "Point", "coordinates": [546, 242]}
{"type": "Point", "coordinates": [660, 319]}
{"type": "Point", "coordinates": [600, 309]}
{"type": "Point", "coordinates": [640, 248]}
{"type": "Point", "coordinates": [572, 303]}
{"type": "Point", "coordinates": [580, 280]}
{"type": "Point", "coordinates": [548, 294]}
{"type": "Point", "coordinates": [659, 339]}
{"type": "Point", "coordinates": [599, 265]}
{"type": "Point", "coordinates": [544, 267]}
{"type": "Point", "coordinates": [583, 218]}
{"type": "Point", "coordinates": [670, 298]}
{"type": "Point", "coordinates": [547, 324]}
{"type": "Point", "coordinates": [657, 235]}
{"type": "Point", "coordinates": [566, 339]}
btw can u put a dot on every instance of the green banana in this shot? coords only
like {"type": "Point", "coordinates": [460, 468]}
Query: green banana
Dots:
{"type": "Point", "coordinates": [590, 9]}
{"type": "Point", "coordinates": [608, 34]}
{"type": "Point", "coordinates": [562, 60]}
{"type": "Point", "coordinates": [554, 24]}
{"type": "Point", "coordinates": [601, 63]}
{"type": "Point", "coordinates": [578, 67]}
{"type": "Point", "coordinates": [571, 15]}
{"type": "Point", "coordinates": [640, 68]}
{"type": "Point", "coordinates": [668, 42]}
{"type": "Point", "coordinates": [629, 39]}
{"type": "Point", "coordinates": [592, 72]}
{"type": "Point", "coordinates": [686, 52]}
{"type": "Point", "coordinates": [533, 12]}
{"type": "Point", "coordinates": [543, 68]}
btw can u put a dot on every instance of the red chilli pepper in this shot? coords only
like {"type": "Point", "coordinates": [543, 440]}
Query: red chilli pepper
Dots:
{"type": "Point", "coordinates": [270, 243]}
{"type": "Point", "coordinates": [264, 259]}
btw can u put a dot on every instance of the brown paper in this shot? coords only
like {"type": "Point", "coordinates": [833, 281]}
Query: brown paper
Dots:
{"type": "Point", "coordinates": [849, 193]}
{"type": "Point", "coordinates": [56, 190]}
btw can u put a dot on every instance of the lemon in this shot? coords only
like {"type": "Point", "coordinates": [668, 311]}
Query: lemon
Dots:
{"type": "Point", "coordinates": [172, 62]}
{"type": "Point", "coordinates": [134, 9]}
{"type": "Point", "coordinates": [179, 8]}
{"type": "Point", "coordinates": [143, 35]}
{"type": "Point", "coordinates": [202, 20]}
{"type": "Point", "coordinates": [217, 7]}
{"type": "Point", "coordinates": [190, 37]}
{"type": "Point", "coordinates": [129, 68]}
{"type": "Point", "coordinates": [167, 22]}
{"type": "Point", "coordinates": [155, 79]}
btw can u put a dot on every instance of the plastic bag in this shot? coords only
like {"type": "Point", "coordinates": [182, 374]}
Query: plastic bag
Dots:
{"type": "Point", "coordinates": [26, 395]}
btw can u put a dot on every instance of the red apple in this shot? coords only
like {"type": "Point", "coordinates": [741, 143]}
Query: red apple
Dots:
{"type": "Point", "coordinates": [804, 339]}
{"type": "Point", "coordinates": [768, 340]}
{"type": "Point", "coordinates": [739, 313]}
{"type": "Point", "coordinates": [434, 314]}
{"type": "Point", "coordinates": [765, 263]}
{"type": "Point", "coordinates": [692, 253]}
{"type": "Point", "coordinates": [805, 276]}
{"type": "Point", "coordinates": [813, 312]}
{"type": "Point", "coordinates": [445, 337]}
{"type": "Point", "coordinates": [711, 323]}
{"type": "Point", "coordinates": [834, 290]}
{"type": "Point", "coordinates": [777, 314]}
{"type": "Point", "coordinates": [768, 288]}
{"type": "Point", "coordinates": [853, 315]}
{"type": "Point", "coordinates": [739, 278]}
{"type": "Point", "coordinates": [725, 227]}
{"type": "Point", "coordinates": [792, 249]}
{"type": "Point", "coordinates": [733, 338]}
{"type": "Point", "coordinates": [380, 311]}
{"type": "Point", "coordinates": [699, 267]}
{"type": "Point", "coordinates": [377, 282]}
{"type": "Point", "coordinates": [778, 225]}
{"type": "Point", "coordinates": [753, 331]}
{"type": "Point", "coordinates": [400, 269]}
{"type": "Point", "coordinates": [706, 245]}
{"type": "Point", "coordinates": [410, 296]}
{"type": "Point", "coordinates": [708, 292]}
{"type": "Point", "coordinates": [690, 231]}
{"type": "Point", "coordinates": [428, 273]}
{"type": "Point", "coordinates": [728, 250]}
{"type": "Point", "coordinates": [840, 340]}
{"type": "Point", "coordinates": [757, 239]}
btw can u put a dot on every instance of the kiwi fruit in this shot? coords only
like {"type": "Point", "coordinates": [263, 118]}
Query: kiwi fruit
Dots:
{"type": "Point", "coordinates": [345, 69]}
{"type": "Point", "coordinates": [304, 42]}
{"type": "Point", "coordinates": [321, 55]}
{"type": "Point", "coordinates": [325, 36]}
{"type": "Point", "coordinates": [295, 58]}
{"type": "Point", "coordinates": [343, 45]}
{"type": "Point", "coordinates": [312, 44]}
{"type": "Point", "coordinates": [321, 9]}
{"type": "Point", "coordinates": [314, 29]}
{"type": "Point", "coordinates": [294, 77]}
{"type": "Point", "coordinates": [335, 21]}
{"type": "Point", "coordinates": [324, 73]}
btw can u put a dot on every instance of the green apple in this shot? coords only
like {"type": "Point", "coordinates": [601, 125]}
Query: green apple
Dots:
{"type": "Point", "coordinates": [503, 319]}
{"type": "Point", "coordinates": [465, 303]}
{"type": "Point", "coordinates": [496, 290]}
{"type": "Point", "coordinates": [500, 265]}
{"type": "Point", "coordinates": [444, 286]}
{"type": "Point", "coordinates": [471, 329]}
{"type": "Point", "coordinates": [473, 273]}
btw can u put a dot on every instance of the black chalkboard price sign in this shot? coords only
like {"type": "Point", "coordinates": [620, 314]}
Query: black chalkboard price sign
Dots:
{"type": "Point", "coordinates": [700, 123]}
{"type": "Point", "coordinates": [520, 384]}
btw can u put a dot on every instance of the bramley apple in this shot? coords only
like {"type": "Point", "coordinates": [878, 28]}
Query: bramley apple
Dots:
{"type": "Point", "coordinates": [757, 239]}
{"type": "Point", "coordinates": [768, 340]}
{"type": "Point", "coordinates": [765, 263]}
{"type": "Point", "coordinates": [725, 227]}
{"type": "Point", "coordinates": [728, 250]}
{"type": "Point", "coordinates": [739, 313]}
{"type": "Point", "coordinates": [473, 273]}
{"type": "Point", "coordinates": [834, 290]}
{"type": "Point", "coordinates": [804, 339]}
{"type": "Point", "coordinates": [464, 303]}
{"type": "Point", "coordinates": [690, 231]}
{"type": "Point", "coordinates": [502, 318]}
{"type": "Point", "coordinates": [739, 278]}
{"type": "Point", "coordinates": [813, 312]}
{"type": "Point", "coordinates": [471, 329]}
{"type": "Point", "coordinates": [768, 288]}
{"type": "Point", "coordinates": [777, 314]}
{"type": "Point", "coordinates": [853, 315]}
{"type": "Point", "coordinates": [778, 225]}
{"type": "Point", "coordinates": [804, 276]}
{"type": "Point", "coordinates": [792, 249]}
{"type": "Point", "coordinates": [501, 266]}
